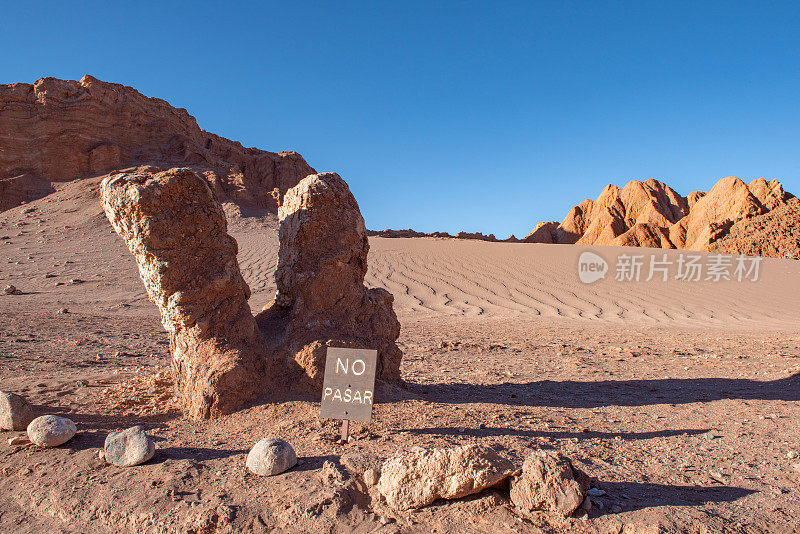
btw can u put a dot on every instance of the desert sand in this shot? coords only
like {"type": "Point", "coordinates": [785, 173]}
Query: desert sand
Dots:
{"type": "Point", "coordinates": [680, 399]}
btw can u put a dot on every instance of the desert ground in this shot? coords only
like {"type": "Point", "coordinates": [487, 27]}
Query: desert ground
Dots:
{"type": "Point", "coordinates": [680, 399]}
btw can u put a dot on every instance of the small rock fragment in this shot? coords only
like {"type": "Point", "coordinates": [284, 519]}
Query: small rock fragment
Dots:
{"type": "Point", "coordinates": [595, 492]}
{"type": "Point", "coordinates": [129, 447]}
{"type": "Point", "coordinates": [51, 430]}
{"type": "Point", "coordinates": [11, 290]}
{"type": "Point", "coordinates": [271, 456]}
{"type": "Point", "coordinates": [18, 440]}
{"type": "Point", "coordinates": [371, 476]}
{"type": "Point", "coordinates": [15, 412]}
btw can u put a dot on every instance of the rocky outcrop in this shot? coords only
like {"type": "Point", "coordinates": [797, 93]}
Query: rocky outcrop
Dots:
{"type": "Point", "coordinates": [651, 214]}
{"type": "Point", "coordinates": [416, 479]}
{"type": "Point", "coordinates": [548, 483]}
{"type": "Point", "coordinates": [322, 262]}
{"type": "Point", "coordinates": [176, 229]}
{"type": "Point", "coordinates": [223, 357]}
{"type": "Point", "coordinates": [543, 233]}
{"type": "Point", "coordinates": [60, 130]}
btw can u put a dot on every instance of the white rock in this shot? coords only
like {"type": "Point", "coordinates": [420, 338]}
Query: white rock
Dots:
{"type": "Point", "coordinates": [51, 430]}
{"type": "Point", "coordinates": [129, 447]}
{"type": "Point", "coordinates": [271, 456]}
{"type": "Point", "coordinates": [417, 478]}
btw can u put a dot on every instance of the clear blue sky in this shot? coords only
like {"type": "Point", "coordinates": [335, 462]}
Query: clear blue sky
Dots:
{"type": "Point", "coordinates": [481, 116]}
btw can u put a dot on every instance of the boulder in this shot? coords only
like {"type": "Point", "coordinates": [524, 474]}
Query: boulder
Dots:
{"type": "Point", "coordinates": [177, 231]}
{"type": "Point", "coordinates": [415, 479]}
{"type": "Point", "coordinates": [548, 483]}
{"type": "Point", "coordinates": [51, 430]}
{"type": "Point", "coordinates": [15, 412]}
{"type": "Point", "coordinates": [271, 456]}
{"type": "Point", "coordinates": [322, 262]}
{"type": "Point", "coordinates": [129, 447]}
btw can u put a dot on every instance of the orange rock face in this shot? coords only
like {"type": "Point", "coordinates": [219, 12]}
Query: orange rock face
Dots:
{"type": "Point", "coordinates": [651, 214]}
{"type": "Point", "coordinates": [60, 130]}
{"type": "Point", "coordinates": [322, 262]}
{"type": "Point", "coordinates": [223, 357]}
{"type": "Point", "coordinates": [177, 232]}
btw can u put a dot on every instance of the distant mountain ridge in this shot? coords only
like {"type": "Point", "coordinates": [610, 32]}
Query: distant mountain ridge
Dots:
{"type": "Point", "coordinates": [61, 130]}
{"type": "Point", "coordinates": [759, 218]}
{"type": "Point", "coordinates": [652, 214]}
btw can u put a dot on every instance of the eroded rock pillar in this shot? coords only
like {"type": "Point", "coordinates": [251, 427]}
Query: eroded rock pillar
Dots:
{"type": "Point", "coordinates": [322, 262]}
{"type": "Point", "coordinates": [177, 231]}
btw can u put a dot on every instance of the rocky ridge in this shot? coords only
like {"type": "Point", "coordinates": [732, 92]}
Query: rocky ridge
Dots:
{"type": "Point", "coordinates": [61, 130]}
{"type": "Point", "coordinates": [651, 214]}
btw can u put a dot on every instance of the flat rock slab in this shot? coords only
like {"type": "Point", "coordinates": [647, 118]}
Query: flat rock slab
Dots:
{"type": "Point", "coordinates": [416, 479]}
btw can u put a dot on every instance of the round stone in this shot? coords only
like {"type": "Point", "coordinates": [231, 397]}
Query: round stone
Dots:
{"type": "Point", "coordinates": [51, 430]}
{"type": "Point", "coordinates": [129, 447]}
{"type": "Point", "coordinates": [15, 412]}
{"type": "Point", "coordinates": [271, 456]}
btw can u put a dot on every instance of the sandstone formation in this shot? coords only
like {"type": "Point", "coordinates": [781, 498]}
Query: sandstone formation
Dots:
{"type": "Point", "coordinates": [322, 262]}
{"type": "Point", "coordinates": [177, 231]}
{"type": "Point", "coordinates": [223, 357]}
{"type": "Point", "coordinates": [651, 214]}
{"type": "Point", "coordinates": [548, 483]}
{"type": "Point", "coordinates": [60, 130]}
{"type": "Point", "coordinates": [51, 430]}
{"type": "Point", "coordinates": [416, 479]}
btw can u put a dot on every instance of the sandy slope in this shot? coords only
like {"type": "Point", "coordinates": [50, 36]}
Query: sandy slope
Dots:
{"type": "Point", "coordinates": [66, 236]}
{"type": "Point", "coordinates": [679, 398]}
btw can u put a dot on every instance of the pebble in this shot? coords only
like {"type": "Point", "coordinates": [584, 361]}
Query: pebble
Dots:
{"type": "Point", "coordinates": [616, 509]}
{"type": "Point", "coordinates": [51, 430]}
{"type": "Point", "coordinates": [791, 455]}
{"type": "Point", "coordinates": [129, 447]}
{"type": "Point", "coordinates": [63, 311]}
{"type": "Point", "coordinates": [11, 290]}
{"type": "Point", "coordinates": [371, 476]}
{"type": "Point", "coordinates": [271, 456]}
{"type": "Point", "coordinates": [18, 440]}
{"type": "Point", "coordinates": [595, 492]}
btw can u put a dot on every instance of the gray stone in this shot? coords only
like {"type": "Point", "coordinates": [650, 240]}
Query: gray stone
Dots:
{"type": "Point", "coordinates": [51, 430]}
{"type": "Point", "coordinates": [271, 456]}
{"type": "Point", "coordinates": [15, 412]}
{"type": "Point", "coordinates": [129, 447]}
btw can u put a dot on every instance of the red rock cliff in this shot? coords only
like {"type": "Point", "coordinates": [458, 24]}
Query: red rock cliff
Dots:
{"type": "Point", "coordinates": [60, 130]}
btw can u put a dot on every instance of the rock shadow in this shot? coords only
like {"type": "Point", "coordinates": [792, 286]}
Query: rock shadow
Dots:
{"type": "Point", "coordinates": [594, 394]}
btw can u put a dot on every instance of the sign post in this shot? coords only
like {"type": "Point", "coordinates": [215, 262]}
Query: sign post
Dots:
{"type": "Point", "coordinates": [349, 386]}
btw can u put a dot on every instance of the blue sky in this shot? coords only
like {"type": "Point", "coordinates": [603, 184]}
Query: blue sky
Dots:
{"type": "Point", "coordinates": [477, 116]}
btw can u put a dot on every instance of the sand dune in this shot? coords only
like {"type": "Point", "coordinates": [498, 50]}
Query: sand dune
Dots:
{"type": "Point", "coordinates": [65, 237]}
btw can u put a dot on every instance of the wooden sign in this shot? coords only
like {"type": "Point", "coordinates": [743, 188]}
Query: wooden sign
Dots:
{"type": "Point", "coordinates": [349, 386]}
